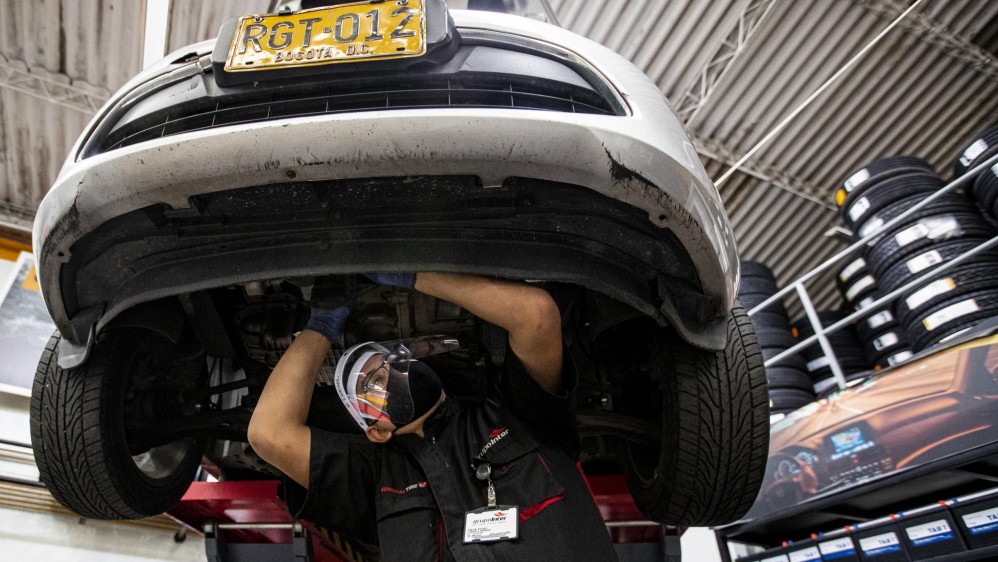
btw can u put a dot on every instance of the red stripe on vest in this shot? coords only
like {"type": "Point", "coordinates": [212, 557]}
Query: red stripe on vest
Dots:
{"type": "Point", "coordinates": [539, 507]}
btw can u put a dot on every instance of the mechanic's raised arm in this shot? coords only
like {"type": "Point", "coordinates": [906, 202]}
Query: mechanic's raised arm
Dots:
{"type": "Point", "coordinates": [277, 430]}
{"type": "Point", "coordinates": [527, 312]}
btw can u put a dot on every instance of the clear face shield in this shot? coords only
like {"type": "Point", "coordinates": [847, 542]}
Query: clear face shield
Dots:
{"type": "Point", "coordinates": [372, 378]}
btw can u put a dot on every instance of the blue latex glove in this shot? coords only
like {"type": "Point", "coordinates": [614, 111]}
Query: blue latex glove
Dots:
{"type": "Point", "coordinates": [402, 279]}
{"type": "Point", "coordinates": [328, 321]}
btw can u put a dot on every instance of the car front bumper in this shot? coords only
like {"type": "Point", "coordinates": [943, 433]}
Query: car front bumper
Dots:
{"type": "Point", "coordinates": [643, 159]}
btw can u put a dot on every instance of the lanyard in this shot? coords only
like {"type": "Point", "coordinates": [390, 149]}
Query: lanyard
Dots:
{"type": "Point", "coordinates": [484, 472]}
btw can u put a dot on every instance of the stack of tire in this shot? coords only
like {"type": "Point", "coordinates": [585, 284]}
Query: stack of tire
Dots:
{"type": "Point", "coordinates": [857, 284]}
{"type": "Point", "coordinates": [984, 188]}
{"type": "Point", "coordinates": [944, 304]}
{"type": "Point", "coordinates": [879, 333]}
{"type": "Point", "coordinates": [848, 352]}
{"type": "Point", "coordinates": [789, 385]}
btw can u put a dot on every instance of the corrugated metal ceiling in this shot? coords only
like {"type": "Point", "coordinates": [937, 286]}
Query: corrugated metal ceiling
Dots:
{"type": "Point", "coordinates": [915, 93]}
{"type": "Point", "coordinates": [924, 90]}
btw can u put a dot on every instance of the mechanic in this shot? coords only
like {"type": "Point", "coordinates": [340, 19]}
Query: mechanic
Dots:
{"type": "Point", "coordinates": [443, 480]}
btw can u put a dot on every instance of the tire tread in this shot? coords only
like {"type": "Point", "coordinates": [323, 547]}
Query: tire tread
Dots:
{"type": "Point", "coordinates": [723, 426]}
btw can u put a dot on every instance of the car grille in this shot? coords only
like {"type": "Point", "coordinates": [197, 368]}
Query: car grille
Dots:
{"type": "Point", "coordinates": [464, 90]}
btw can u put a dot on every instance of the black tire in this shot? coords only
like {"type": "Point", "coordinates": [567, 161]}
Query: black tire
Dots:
{"type": "Point", "coordinates": [883, 320]}
{"type": "Point", "coordinates": [984, 146]}
{"type": "Point", "coordinates": [865, 302]}
{"type": "Point", "coordinates": [858, 288]}
{"type": "Point", "coordinates": [786, 400]}
{"type": "Point", "coordinates": [918, 332]}
{"type": "Point", "coordinates": [758, 285]}
{"type": "Point", "coordinates": [78, 431]}
{"type": "Point", "coordinates": [961, 280]}
{"type": "Point", "coordinates": [848, 351]}
{"type": "Point", "coordinates": [920, 263]}
{"type": "Point", "coordinates": [985, 190]}
{"type": "Point", "coordinates": [774, 315]}
{"type": "Point", "coordinates": [897, 358]}
{"type": "Point", "coordinates": [757, 270]}
{"type": "Point", "coordinates": [945, 203]}
{"type": "Point", "coordinates": [858, 210]}
{"type": "Point", "coordinates": [821, 367]}
{"type": "Point", "coordinates": [875, 172]}
{"type": "Point", "coordinates": [852, 270]}
{"type": "Point", "coordinates": [885, 345]}
{"type": "Point", "coordinates": [771, 319]}
{"type": "Point", "coordinates": [773, 337]}
{"type": "Point", "coordinates": [923, 231]}
{"type": "Point", "coordinates": [754, 296]}
{"type": "Point", "coordinates": [795, 361]}
{"type": "Point", "coordinates": [781, 377]}
{"type": "Point", "coordinates": [715, 437]}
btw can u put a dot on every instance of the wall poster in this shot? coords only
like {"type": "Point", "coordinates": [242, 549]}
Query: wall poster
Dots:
{"type": "Point", "coordinates": [25, 327]}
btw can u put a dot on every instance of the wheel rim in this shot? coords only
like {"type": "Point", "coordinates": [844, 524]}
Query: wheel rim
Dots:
{"type": "Point", "coordinates": [644, 463]}
{"type": "Point", "coordinates": [161, 462]}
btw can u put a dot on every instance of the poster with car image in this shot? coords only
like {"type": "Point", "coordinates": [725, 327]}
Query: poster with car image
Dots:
{"type": "Point", "coordinates": [25, 327]}
{"type": "Point", "coordinates": [910, 416]}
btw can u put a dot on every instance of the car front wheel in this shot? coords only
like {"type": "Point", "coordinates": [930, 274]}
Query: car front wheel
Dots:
{"type": "Point", "coordinates": [84, 423]}
{"type": "Point", "coordinates": [715, 431]}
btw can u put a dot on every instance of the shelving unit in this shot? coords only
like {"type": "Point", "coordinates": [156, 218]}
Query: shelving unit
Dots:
{"type": "Point", "coordinates": [917, 435]}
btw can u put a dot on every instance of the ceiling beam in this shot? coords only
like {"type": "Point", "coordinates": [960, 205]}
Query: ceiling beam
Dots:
{"type": "Point", "coordinates": [717, 151]}
{"type": "Point", "coordinates": [938, 35]}
{"type": "Point", "coordinates": [695, 97]}
{"type": "Point", "coordinates": [55, 88]}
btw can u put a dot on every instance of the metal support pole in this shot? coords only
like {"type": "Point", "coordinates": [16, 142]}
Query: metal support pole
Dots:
{"type": "Point", "coordinates": [722, 545]}
{"type": "Point", "coordinates": [819, 332]}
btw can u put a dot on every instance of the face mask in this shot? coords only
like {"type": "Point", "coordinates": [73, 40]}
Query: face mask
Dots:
{"type": "Point", "coordinates": [424, 388]}
{"type": "Point", "coordinates": [386, 381]}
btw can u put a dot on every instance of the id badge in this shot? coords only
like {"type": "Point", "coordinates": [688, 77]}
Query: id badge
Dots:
{"type": "Point", "coordinates": [490, 524]}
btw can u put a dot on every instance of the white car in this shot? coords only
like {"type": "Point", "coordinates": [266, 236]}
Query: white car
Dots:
{"type": "Point", "coordinates": [178, 246]}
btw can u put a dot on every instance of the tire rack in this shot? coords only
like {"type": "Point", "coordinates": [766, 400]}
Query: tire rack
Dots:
{"type": "Point", "coordinates": [961, 466]}
{"type": "Point", "coordinates": [820, 332]}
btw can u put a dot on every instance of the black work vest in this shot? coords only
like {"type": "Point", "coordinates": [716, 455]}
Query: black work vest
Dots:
{"type": "Point", "coordinates": [427, 485]}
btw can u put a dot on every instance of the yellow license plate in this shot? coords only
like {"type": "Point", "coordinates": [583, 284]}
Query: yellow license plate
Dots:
{"type": "Point", "coordinates": [345, 33]}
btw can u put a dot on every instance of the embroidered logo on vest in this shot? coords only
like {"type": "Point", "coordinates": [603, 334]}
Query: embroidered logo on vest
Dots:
{"type": "Point", "coordinates": [409, 488]}
{"type": "Point", "coordinates": [494, 437]}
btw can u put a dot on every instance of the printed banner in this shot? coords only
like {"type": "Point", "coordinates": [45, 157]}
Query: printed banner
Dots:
{"type": "Point", "coordinates": [911, 415]}
{"type": "Point", "coordinates": [25, 327]}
